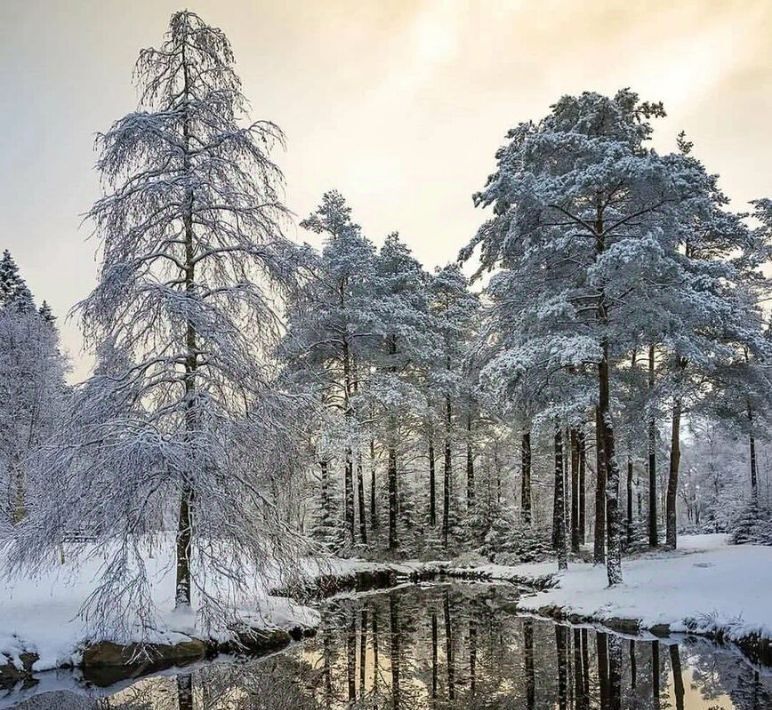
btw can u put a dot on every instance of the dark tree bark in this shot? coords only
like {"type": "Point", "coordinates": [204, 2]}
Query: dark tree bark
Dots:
{"type": "Point", "coordinates": [582, 487]}
{"type": "Point", "coordinates": [361, 501]}
{"type": "Point", "coordinates": [472, 654]}
{"type": "Point", "coordinates": [432, 485]}
{"type": "Point", "coordinates": [652, 445]}
{"type": "Point", "coordinates": [615, 672]}
{"type": "Point", "coordinates": [434, 655]}
{"type": "Point", "coordinates": [613, 519]}
{"type": "Point", "coordinates": [655, 682]}
{"type": "Point", "coordinates": [393, 483]}
{"type": "Point", "coordinates": [671, 531]}
{"type": "Point", "coordinates": [753, 460]}
{"type": "Point", "coordinates": [373, 495]}
{"type": "Point", "coordinates": [447, 472]}
{"type": "Point", "coordinates": [525, 479]}
{"type": "Point", "coordinates": [575, 491]}
{"type": "Point", "coordinates": [579, 695]}
{"type": "Point", "coordinates": [469, 467]}
{"type": "Point", "coordinates": [559, 513]}
{"type": "Point", "coordinates": [629, 521]}
{"type": "Point", "coordinates": [599, 543]}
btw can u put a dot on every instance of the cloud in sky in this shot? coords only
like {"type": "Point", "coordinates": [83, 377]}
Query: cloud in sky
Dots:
{"type": "Point", "coordinates": [398, 104]}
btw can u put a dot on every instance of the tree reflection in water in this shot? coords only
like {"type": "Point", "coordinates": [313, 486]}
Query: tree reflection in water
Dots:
{"type": "Point", "coordinates": [461, 646]}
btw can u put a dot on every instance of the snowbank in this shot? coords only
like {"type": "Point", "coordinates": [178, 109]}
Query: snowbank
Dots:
{"type": "Point", "coordinates": [41, 616]}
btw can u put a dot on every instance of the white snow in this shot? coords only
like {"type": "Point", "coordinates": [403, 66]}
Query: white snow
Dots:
{"type": "Point", "coordinates": [704, 586]}
{"type": "Point", "coordinates": [42, 615]}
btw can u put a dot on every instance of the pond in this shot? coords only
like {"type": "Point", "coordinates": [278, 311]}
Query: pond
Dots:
{"type": "Point", "coordinates": [446, 646]}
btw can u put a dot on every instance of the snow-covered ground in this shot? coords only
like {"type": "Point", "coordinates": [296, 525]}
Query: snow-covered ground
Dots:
{"type": "Point", "coordinates": [715, 585]}
{"type": "Point", "coordinates": [42, 615]}
{"type": "Point", "coordinates": [704, 586]}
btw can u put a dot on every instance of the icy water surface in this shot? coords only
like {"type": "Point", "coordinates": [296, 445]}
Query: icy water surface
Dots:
{"type": "Point", "coordinates": [448, 646]}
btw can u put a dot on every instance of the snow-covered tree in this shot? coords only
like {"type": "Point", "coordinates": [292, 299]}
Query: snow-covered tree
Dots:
{"type": "Point", "coordinates": [454, 309]}
{"type": "Point", "coordinates": [332, 324]}
{"type": "Point", "coordinates": [407, 345]}
{"type": "Point", "coordinates": [586, 229]}
{"type": "Point", "coordinates": [193, 261]}
{"type": "Point", "coordinates": [32, 388]}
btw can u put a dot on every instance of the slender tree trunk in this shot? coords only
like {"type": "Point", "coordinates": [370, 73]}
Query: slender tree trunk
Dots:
{"type": "Point", "coordinates": [185, 518]}
{"type": "Point", "coordinates": [601, 642]}
{"type": "Point", "coordinates": [582, 487]}
{"type": "Point", "coordinates": [653, 536]}
{"type": "Point", "coordinates": [561, 646]}
{"type": "Point", "coordinates": [574, 491]}
{"type": "Point", "coordinates": [447, 473]}
{"type": "Point", "coordinates": [629, 521]}
{"type": "Point", "coordinates": [655, 679]}
{"type": "Point", "coordinates": [348, 472]}
{"type": "Point", "coordinates": [434, 655]}
{"type": "Point", "coordinates": [600, 494]}
{"type": "Point", "coordinates": [351, 658]}
{"type": "Point", "coordinates": [525, 479]}
{"type": "Point", "coordinates": [559, 503]}
{"type": "Point", "coordinates": [432, 485]}
{"type": "Point", "coordinates": [613, 518]}
{"type": "Point", "coordinates": [373, 507]}
{"type": "Point", "coordinates": [752, 453]}
{"type": "Point", "coordinates": [393, 483]}
{"type": "Point", "coordinates": [671, 532]}
{"type": "Point", "coordinates": [469, 467]}
{"type": "Point", "coordinates": [361, 500]}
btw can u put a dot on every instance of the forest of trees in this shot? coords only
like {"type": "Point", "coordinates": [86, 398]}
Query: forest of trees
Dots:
{"type": "Point", "coordinates": [592, 368]}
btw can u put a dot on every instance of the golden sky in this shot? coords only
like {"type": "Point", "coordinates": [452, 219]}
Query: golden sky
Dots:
{"type": "Point", "coordinates": [398, 104]}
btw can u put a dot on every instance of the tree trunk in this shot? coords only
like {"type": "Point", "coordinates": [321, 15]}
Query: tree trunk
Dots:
{"type": "Point", "coordinates": [348, 493]}
{"type": "Point", "coordinates": [559, 513]}
{"type": "Point", "coordinates": [361, 500]}
{"type": "Point", "coordinates": [599, 543]}
{"type": "Point", "coordinates": [469, 467]}
{"type": "Point", "coordinates": [449, 647]}
{"type": "Point", "coordinates": [582, 487]}
{"type": "Point", "coordinates": [393, 490]}
{"type": "Point", "coordinates": [752, 452]}
{"type": "Point", "coordinates": [184, 537]}
{"type": "Point", "coordinates": [574, 491]}
{"type": "Point", "coordinates": [447, 472]}
{"type": "Point", "coordinates": [525, 479]}
{"type": "Point", "coordinates": [653, 536]}
{"type": "Point", "coordinates": [613, 550]}
{"type": "Point", "coordinates": [671, 532]}
{"type": "Point", "coordinates": [432, 485]}
{"type": "Point", "coordinates": [373, 507]}
{"type": "Point", "coordinates": [629, 501]}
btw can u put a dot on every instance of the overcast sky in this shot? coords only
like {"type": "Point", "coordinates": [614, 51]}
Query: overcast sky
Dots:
{"type": "Point", "coordinates": [398, 104]}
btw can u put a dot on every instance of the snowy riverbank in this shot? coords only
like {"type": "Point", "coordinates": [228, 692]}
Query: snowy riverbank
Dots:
{"type": "Point", "coordinates": [705, 587]}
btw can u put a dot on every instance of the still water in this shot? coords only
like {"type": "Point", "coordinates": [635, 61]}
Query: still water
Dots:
{"type": "Point", "coordinates": [448, 646]}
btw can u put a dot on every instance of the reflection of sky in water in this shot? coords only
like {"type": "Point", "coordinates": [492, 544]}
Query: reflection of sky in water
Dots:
{"type": "Point", "coordinates": [454, 646]}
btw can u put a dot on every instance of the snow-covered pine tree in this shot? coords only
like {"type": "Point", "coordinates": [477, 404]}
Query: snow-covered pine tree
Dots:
{"type": "Point", "coordinates": [585, 217]}
{"type": "Point", "coordinates": [330, 328]}
{"type": "Point", "coordinates": [407, 345]}
{"type": "Point", "coordinates": [454, 309]}
{"type": "Point", "coordinates": [191, 241]}
{"type": "Point", "coordinates": [32, 390]}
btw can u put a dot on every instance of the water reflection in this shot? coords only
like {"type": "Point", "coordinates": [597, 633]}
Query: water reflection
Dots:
{"type": "Point", "coordinates": [458, 646]}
